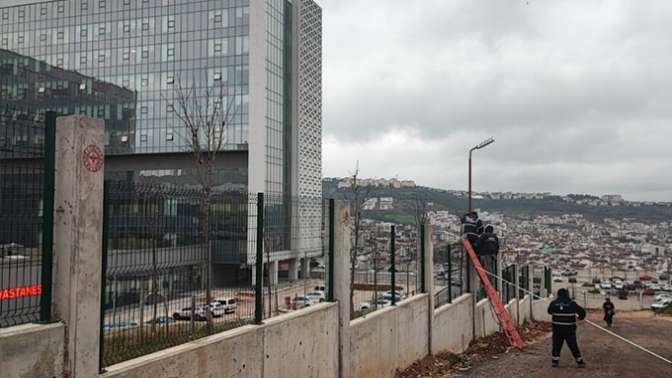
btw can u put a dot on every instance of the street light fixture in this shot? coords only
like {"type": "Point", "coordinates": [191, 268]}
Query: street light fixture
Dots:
{"type": "Point", "coordinates": [481, 145]}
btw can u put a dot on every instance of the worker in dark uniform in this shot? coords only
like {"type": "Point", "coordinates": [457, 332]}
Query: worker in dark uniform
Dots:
{"type": "Point", "coordinates": [472, 227]}
{"type": "Point", "coordinates": [487, 248]}
{"type": "Point", "coordinates": [565, 312]}
{"type": "Point", "coordinates": [609, 311]}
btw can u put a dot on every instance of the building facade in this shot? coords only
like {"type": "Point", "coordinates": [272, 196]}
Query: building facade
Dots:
{"type": "Point", "coordinates": [263, 58]}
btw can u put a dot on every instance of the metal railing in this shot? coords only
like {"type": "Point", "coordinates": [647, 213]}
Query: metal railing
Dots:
{"type": "Point", "coordinates": [388, 267]}
{"type": "Point", "coordinates": [450, 264]}
{"type": "Point", "coordinates": [27, 146]}
{"type": "Point", "coordinates": [175, 272]}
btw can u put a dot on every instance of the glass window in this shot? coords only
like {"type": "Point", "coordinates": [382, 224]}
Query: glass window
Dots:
{"type": "Point", "coordinates": [144, 82]}
{"type": "Point", "coordinates": [84, 32]}
{"type": "Point", "coordinates": [5, 15]}
{"type": "Point", "coordinates": [22, 13]}
{"type": "Point", "coordinates": [127, 28]}
{"type": "Point", "coordinates": [43, 37]}
{"type": "Point", "coordinates": [60, 35]}
{"type": "Point", "coordinates": [101, 58]}
{"type": "Point", "coordinates": [21, 40]}
{"type": "Point", "coordinates": [171, 22]}
{"type": "Point", "coordinates": [145, 54]}
{"type": "Point", "coordinates": [59, 63]}
{"type": "Point", "coordinates": [85, 5]}
{"type": "Point", "coordinates": [101, 4]}
{"type": "Point", "coordinates": [43, 11]}
{"type": "Point", "coordinates": [145, 26]}
{"type": "Point", "coordinates": [60, 8]}
{"type": "Point", "coordinates": [83, 59]}
{"type": "Point", "coordinates": [5, 41]}
{"type": "Point", "coordinates": [127, 2]}
{"type": "Point", "coordinates": [126, 55]}
{"type": "Point", "coordinates": [102, 30]}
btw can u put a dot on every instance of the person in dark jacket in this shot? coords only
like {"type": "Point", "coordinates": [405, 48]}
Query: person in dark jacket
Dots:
{"type": "Point", "coordinates": [564, 312]}
{"type": "Point", "coordinates": [472, 227]}
{"type": "Point", "coordinates": [487, 248]}
{"type": "Point", "coordinates": [609, 311]}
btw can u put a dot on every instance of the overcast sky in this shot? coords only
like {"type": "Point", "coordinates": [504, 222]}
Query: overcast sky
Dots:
{"type": "Point", "coordinates": [577, 94]}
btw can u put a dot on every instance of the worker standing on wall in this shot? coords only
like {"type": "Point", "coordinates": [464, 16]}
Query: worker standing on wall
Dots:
{"type": "Point", "coordinates": [565, 313]}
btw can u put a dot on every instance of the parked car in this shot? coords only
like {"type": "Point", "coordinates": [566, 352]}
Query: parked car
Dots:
{"type": "Point", "coordinates": [218, 309]}
{"type": "Point", "coordinates": [316, 296]}
{"type": "Point", "coordinates": [399, 296]}
{"type": "Point", "coordinates": [380, 303]}
{"type": "Point", "coordinates": [572, 280]}
{"type": "Point", "coordinates": [667, 287]}
{"type": "Point", "coordinates": [618, 285]}
{"type": "Point", "coordinates": [606, 285]}
{"type": "Point", "coordinates": [301, 302]}
{"type": "Point", "coordinates": [229, 304]}
{"type": "Point", "coordinates": [120, 325]}
{"type": "Point", "coordinates": [596, 280]}
{"type": "Point", "coordinates": [557, 279]}
{"type": "Point", "coordinates": [161, 320]}
{"type": "Point", "coordinates": [661, 305]}
{"type": "Point", "coordinates": [185, 313]}
{"type": "Point", "coordinates": [661, 297]}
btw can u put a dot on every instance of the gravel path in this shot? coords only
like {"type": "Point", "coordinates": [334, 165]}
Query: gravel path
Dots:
{"type": "Point", "coordinates": [605, 355]}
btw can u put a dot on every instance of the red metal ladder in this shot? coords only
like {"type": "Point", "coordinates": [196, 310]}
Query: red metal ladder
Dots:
{"type": "Point", "coordinates": [500, 311]}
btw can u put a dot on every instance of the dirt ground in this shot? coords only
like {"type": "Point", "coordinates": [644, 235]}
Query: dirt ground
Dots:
{"type": "Point", "coordinates": [605, 355]}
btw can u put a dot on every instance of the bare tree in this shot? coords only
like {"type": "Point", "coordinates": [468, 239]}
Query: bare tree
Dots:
{"type": "Point", "coordinates": [421, 209]}
{"type": "Point", "coordinates": [205, 114]}
{"type": "Point", "coordinates": [358, 195]}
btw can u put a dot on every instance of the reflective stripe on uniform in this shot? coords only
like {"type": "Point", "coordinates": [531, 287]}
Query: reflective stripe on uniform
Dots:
{"type": "Point", "coordinates": [573, 315]}
{"type": "Point", "coordinates": [563, 323]}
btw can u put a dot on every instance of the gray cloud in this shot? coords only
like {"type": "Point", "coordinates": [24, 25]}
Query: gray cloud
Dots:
{"type": "Point", "coordinates": [576, 93]}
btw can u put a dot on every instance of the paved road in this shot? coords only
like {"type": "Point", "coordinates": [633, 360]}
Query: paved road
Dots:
{"type": "Point", "coordinates": [606, 356]}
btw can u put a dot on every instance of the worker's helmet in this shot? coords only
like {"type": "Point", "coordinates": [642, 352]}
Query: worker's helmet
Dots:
{"type": "Point", "coordinates": [563, 293]}
{"type": "Point", "coordinates": [490, 229]}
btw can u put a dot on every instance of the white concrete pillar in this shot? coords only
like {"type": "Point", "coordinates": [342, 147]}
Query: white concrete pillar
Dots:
{"type": "Point", "coordinates": [273, 267]}
{"type": "Point", "coordinates": [305, 268]}
{"type": "Point", "coordinates": [293, 269]}
{"type": "Point", "coordinates": [78, 240]}
{"type": "Point", "coordinates": [342, 220]}
{"type": "Point", "coordinates": [530, 284]}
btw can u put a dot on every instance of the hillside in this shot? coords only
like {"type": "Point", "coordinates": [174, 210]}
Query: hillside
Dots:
{"type": "Point", "coordinates": [405, 200]}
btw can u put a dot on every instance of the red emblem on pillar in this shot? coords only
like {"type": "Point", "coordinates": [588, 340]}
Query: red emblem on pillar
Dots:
{"type": "Point", "coordinates": [93, 158]}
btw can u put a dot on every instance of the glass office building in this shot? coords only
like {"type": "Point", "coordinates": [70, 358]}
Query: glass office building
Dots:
{"type": "Point", "coordinates": [264, 56]}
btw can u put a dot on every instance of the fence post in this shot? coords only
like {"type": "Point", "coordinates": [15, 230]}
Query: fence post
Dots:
{"type": "Point", "coordinates": [332, 227]}
{"type": "Point", "coordinates": [48, 216]}
{"type": "Point", "coordinates": [259, 272]}
{"type": "Point", "coordinates": [342, 246]}
{"type": "Point", "coordinates": [423, 252]}
{"type": "Point", "coordinates": [393, 266]}
{"type": "Point", "coordinates": [450, 275]}
{"type": "Point", "coordinates": [103, 276]}
{"type": "Point", "coordinates": [78, 201]}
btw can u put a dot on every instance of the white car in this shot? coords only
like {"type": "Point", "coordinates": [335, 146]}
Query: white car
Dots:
{"type": "Point", "coordinates": [185, 313]}
{"type": "Point", "coordinates": [605, 285]}
{"type": "Point", "coordinates": [229, 304]}
{"type": "Point", "coordinates": [618, 285]}
{"type": "Point", "coordinates": [380, 303]}
{"type": "Point", "coordinates": [316, 296]}
{"type": "Point", "coordinates": [400, 296]}
{"type": "Point", "coordinates": [662, 297]}
{"type": "Point", "coordinates": [301, 302]}
{"type": "Point", "coordinates": [661, 305]}
{"type": "Point", "coordinates": [667, 287]}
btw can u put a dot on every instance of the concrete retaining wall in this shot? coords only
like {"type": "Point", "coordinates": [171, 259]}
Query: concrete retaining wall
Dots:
{"type": "Point", "coordinates": [32, 350]}
{"type": "Point", "coordinates": [389, 339]}
{"type": "Point", "coordinates": [540, 307]}
{"type": "Point", "coordinates": [304, 342]}
{"type": "Point", "coordinates": [452, 326]}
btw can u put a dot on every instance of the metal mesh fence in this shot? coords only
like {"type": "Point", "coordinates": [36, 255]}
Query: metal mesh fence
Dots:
{"type": "Point", "coordinates": [387, 257]}
{"type": "Point", "coordinates": [176, 272]}
{"type": "Point", "coordinates": [22, 190]}
{"type": "Point", "coordinates": [450, 263]}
